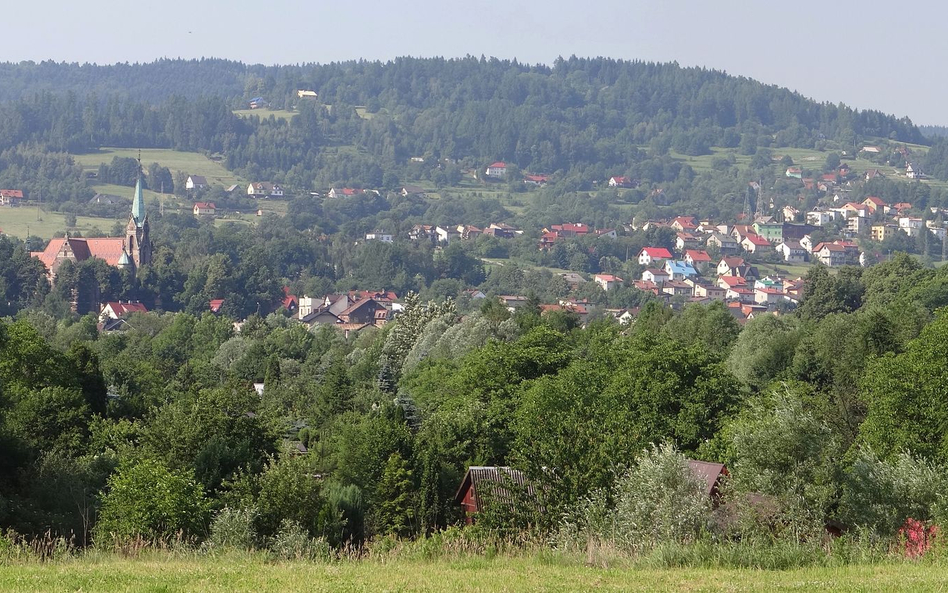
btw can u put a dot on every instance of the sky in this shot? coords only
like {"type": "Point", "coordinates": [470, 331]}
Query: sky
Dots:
{"type": "Point", "coordinates": [869, 55]}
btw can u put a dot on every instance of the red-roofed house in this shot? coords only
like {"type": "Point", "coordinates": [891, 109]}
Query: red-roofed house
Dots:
{"type": "Point", "coordinates": [619, 181]}
{"type": "Point", "coordinates": [698, 259]}
{"type": "Point", "coordinates": [536, 179]}
{"type": "Point", "coordinates": [290, 302]}
{"type": "Point", "coordinates": [365, 310]}
{"type": "Point", "coordinates": [204, 209]}
{"type": "Point", "coordinates": [116, 310]}
{"type": "Point", "coordinates": [768, 296]}
{"type": "Point", "coordinates": [215, 305]}
{"type": "Point", "coordinates": [653, 255]}
{"type": "Point", "coordinates": [685, 224]}
{"type": "Point", "coordinates": [755, 243]}
{"type": "Point", "coordinates": [570, 229]}
{"type": "Point", "coordinates": [10, 197]}
{"type": "Point", "coordinates": [830, 254]}
{"type": "Point", "coordinates": [498, 169]}
{"type": "Point", "coordinates": [874, 204]}
{"type": "Point", "coordinates": [685, 241]}
{"type": "Point", "coordinates": [728, 282]}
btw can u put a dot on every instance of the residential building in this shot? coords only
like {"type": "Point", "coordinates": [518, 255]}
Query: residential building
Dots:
{"type": "Point", "coordinates": [756, 244]}
{"type": "Point", "coordinates": [653, 255]}
{"type": "Point", "coordinates": [10, 197]}
{"type": "Point", "coordinates": [792, 252]}
{"type": "Point", "coordinates": [679, 270]}
{"type": "Point", "coordinates": [698, 259]}
{"type": "Point", "coordinates": [656, 276]}
{"type": "Point", "coordinates": [205, 209]}
{"type": "Point", "coordinates": [883, 231]}
{"type": "Point", "coordinates": [771, 231]}
{"type": "Point", "coordinates": [496, 170]}
{"type": "Point", "coordinates": [830, 254]}
{"type": "Point", "coordinates": [725, 244]}
{"type": "Point", "coordinates": [119, 309]}
{"type": "Point", "coordinates": [447, 235]}
{"type": "Point", "coordinates": [607, 281]}
{"type": "Point", "coordinates": [265, 189]}
{"type": "Point", "coordinates": [195, 182]}
{"type": "Point", "coordinates": [379, 236]}
{"type": "Point", "coordinates": [820, 217]}
{"type": "Point", "coordinates": [620, 182]}
{"type": "Point", "coordinates": [685, 241]}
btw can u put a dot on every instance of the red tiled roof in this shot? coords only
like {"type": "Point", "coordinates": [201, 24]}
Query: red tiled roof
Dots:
{"type": "Point", "coordinates": [216, 305]}
{"type": "Point", "coordinates": [107, 249]}
{"type": "Point", "coordinates": [656, 252]}
{"type": "Point", "coordinates": [698, 255]}
{"type": "Point", "coordinates": [121, 309]}
{"type": "Point", "coordinates": [11, 193]}
{"type": "Point", "coordinates": [497, 165]}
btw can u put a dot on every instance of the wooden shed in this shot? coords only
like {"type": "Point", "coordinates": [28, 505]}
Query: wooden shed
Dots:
{"type": "Point", "coordinates": [491, 483]}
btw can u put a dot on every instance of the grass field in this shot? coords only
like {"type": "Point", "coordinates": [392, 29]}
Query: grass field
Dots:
{"type": "Point", "coordinates": [253, 573]}
{"type": "Point", "coordinates": [16, 221]}
{"type": "Point", "coordinates": [192, 163]}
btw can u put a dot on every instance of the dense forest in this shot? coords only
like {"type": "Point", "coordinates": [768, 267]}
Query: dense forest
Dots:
{"type": "Point", "coordinates": [832, 413]}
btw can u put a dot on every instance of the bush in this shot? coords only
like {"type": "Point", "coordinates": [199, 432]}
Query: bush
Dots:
{"type": "Point", "coordinates": [659, 501]}
{"type": "Point", "coordinates": [292, 542]}
{"type": "Point", "coordinates": [150, 501]}
{"type": "Point", "coordinates": [234, 529]}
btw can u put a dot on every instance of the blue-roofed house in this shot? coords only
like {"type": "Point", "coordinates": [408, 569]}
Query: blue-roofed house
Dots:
{"type": "Point", "coordinates": [679, 270]}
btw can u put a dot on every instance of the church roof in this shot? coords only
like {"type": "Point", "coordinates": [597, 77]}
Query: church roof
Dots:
{"type": "Point", "coordinates": [108, 249]}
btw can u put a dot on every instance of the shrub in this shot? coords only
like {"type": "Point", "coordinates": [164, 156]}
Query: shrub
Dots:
{"type": "Point", "coordinates": [234, 529]}
{"type": "Point", "coordinates": [292, 542]}
{"type": "Point", "coordinates": [659, 501]}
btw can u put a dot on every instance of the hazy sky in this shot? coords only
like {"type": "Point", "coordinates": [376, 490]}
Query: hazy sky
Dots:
{"type": "Point", "coordinates": [868, 54]}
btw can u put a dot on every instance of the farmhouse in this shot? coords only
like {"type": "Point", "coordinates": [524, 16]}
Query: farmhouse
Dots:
{"type": "Point", "coordinates": [119, 309]}
{"type": "Point", "coordinates": [618, 181]}
{"type": "Point", "coordinates": [653, 255]}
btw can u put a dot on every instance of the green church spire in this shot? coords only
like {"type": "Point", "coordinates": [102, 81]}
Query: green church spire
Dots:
{"type": "Point", "coordinates": [138, 202]}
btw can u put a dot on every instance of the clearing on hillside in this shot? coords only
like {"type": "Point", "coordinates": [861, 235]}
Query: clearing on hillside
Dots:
{"type": "Point", "coordinates": [192, 163]}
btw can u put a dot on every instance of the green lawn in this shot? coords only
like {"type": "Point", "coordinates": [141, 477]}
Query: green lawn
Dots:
{"type": "Point", "coordinates": [16, 221]}
{"type": "Point", "coordinates": [253, 573]}
{"type": "Point", "coordinates": [192, 163]}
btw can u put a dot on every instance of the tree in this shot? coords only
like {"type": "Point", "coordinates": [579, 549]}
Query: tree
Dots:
{"type": "Point", "coordinates": [148, 500]}
{"type": "Point", "coordinates": [394, 512]}
{"type": "Point", "coordinates": [764, 350]}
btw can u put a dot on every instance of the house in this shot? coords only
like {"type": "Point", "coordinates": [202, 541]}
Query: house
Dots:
{"type": "Point", "coordinates": [685, 224]}
{"type": "Point", "coordinates": [913, 171]}
{"type": "Point", "coordinates": [264, 189]}
{"type": "Point", "coordinates": [792, 252]}
{"type": "Point", "coordinates": [289, 302]}
{"type": "Point", "coordinates": [195, 182]}
{"type": "Point", "coordinates": [105, 199]}
{"type": "Point", "coordinates": [790, 213]}
{"type": "Point", "coordinates": [883, 231]}
{"type": "Point", "coordinates": [215, 305]}
{"type": "Point", "coordinates": [729, 265]}
{"type": "Point", "coordinates": [685, 241]}
{"type": "Point", "coordinates": [119, 309]}
{"type": "Point", "coordinates": [741, 294]}
{"type": "Point", "coordinates": [794, 172]}
{"type": "Point", "coordinates": [679, 270]}
{"type": "Point", "coordinates": [770, 230]}
{"type": "Point", "coordinates": [502, 230]}
{"type": "Point", "coordinates": [871, 149]}
{"type": "Point", "coordinates": [447, 235]}
{"type": "Point", "coordinates": [483, 486]}
{"type": "Point", "coordinates": [306, 94]}
{"type": "Point", "coordinates": [608, 233]}
{"type": "Point", "coordinates": [698, 259]}
{"type": "Point", "coordinates": [755, 244]}
{"type": "Point", "coordinates": [202, 209]}
{"type": "Point", "coordinates": [619, 181]}
{"type": "Point", "coordinates": [569, 229]}
{"type": "Point", "coordinates": [729, 282]}
{"type": "Point", "coordinates": [653, 255]}
{"type": "Point", "coordinates": [820, 217]}
{"type": "Point", "coordinates": [365, 311]}
{"type": "Point", "coordinates": [806, 242]}
{"type": "Point", "coordinates": [413, 190]}
{"type": "Point", "coordinates": [910, 225]}
{"type": "Point", "coordinates": [851, 209]}
{"type": "Point", "coordinates": [856, 225]}
{"type": "Point", "coordinates": [768, 296]}
{"type": "Point", "coordinates": [656, 276]}
{"type": "Point", "coordinates": [677, 288]}
{"type": "Point", "coordinates": [496, 170]}
{"type": "Point", "coordinates": [725, 244]}
{"type": "Point", "coordinates": [875, 204]}
{"type": "Point", "coordinates": [10, 197]}
{"type": "Point", "coordinates": [538, 180]}
{"type": "Point", "coordinates": [739, 231]}
{"type": "Point", "coordinates": [705, 290]}
{"type": "Point", "coordinates": [874, 174]}
{"type": "Point", "coordinates": [830, 254]}
{"type": "Point", "coordinates": [572, 279]}
{"type": "Point", "coordinates": [422, 232]}
{"type": "Point", "coordinates": [607, 281]}
{"type": "Point", "coordinates": [379, 236]}
{"type": "Point", "coordinates": [474, 294]}
{"type": "Point", "coordinates": [512, 302]}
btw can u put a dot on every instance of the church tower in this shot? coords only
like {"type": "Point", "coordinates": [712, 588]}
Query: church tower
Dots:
{"type": "Point", "coordinates": [137, 242]}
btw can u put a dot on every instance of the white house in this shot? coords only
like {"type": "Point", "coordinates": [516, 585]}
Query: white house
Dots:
{"type": "Point", "coordinates": [264, 189]}
{"type": "Point", "coordinates": [653, 255]}
{"type": "Point", "coordinates": [379, 236]}
{"type": "Point", "coordinates": [202, 209]}
{"type": "Point", "coordinates": [820, 217]}
{"type": "Point", "coordinates": [498, 169]}
{"type": "Point", "coordinates": [607, 281]}
{"type": "Point", "coordinates": [656, 276]}
{"type": "Point", "coordinates": [195, 182]}
{"type": "Point", "coordinates": [447, 235]}
{"type": "Point", "coordinates": [792, 252]}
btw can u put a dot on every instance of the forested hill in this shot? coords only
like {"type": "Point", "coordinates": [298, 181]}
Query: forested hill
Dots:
{"type": "Point", "coordinates": [584, 118]}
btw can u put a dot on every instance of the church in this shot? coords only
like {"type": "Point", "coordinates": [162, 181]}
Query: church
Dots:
{"type": "Point", "coordinates": [129, 252]}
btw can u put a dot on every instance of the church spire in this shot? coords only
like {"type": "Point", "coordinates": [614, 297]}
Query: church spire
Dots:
{"type": "Point", "coordinates": [138, 202]}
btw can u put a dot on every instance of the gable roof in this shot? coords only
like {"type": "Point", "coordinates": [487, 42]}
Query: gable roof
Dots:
{"type": "Point", "coordinates": [697, 255]}
{"type": "Point", "coordinates": [11, 193]}
{"type": "Point", "coordinates": [708, 473]}
{"type": "Point", "coordinates": [495, 482]}
{"type": "Point", "coordinates": [656, 252]}
{"type": "Point", "coordinates": [108, 249]}
{"type": "Point", "coordinates": [205, 205]}
{"type": "Point", "coordinates": [757, 240]}
{"type": "Point", "coordinates": [497, 165]}
{"type": "Point", "coordinates": [120, 309]}
{"type": "Point", "coordinates": [197, 179]}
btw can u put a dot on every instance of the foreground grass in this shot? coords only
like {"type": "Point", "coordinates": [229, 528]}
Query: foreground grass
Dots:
{"type": "Point", "coordinates": [254, 572]}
